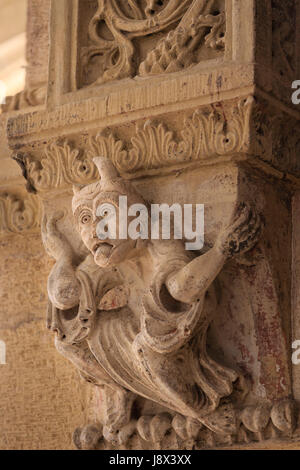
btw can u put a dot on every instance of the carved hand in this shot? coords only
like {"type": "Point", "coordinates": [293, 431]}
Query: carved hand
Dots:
{"type": "Point", "coordinates": [242, 234]}
{"type": "Point", "coordinates": [191, 282]}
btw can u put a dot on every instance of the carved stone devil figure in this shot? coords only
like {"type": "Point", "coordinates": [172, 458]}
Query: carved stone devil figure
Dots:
{"type": "Point", "coordinates": [133, 315]}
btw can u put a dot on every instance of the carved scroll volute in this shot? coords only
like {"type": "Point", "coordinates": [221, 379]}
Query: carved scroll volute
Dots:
{"type": "Point", "coordinates": [19, 214]}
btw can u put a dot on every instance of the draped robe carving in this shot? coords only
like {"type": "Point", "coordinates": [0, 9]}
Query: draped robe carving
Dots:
{"type": "Point", "coordinates": [133, 315]}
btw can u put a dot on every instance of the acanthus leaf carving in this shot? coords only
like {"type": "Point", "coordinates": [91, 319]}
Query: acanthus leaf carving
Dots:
{"type": "Point", "coordinates": [152, 146]}
{"type": "Point", "coordinates": [106, 145]}
{"type": "Point", "coordinates": [217, 132]}
{"type": "Point", "coordinates": [60, 167]}
{"type": "Point", "coordinates": [209, 132]}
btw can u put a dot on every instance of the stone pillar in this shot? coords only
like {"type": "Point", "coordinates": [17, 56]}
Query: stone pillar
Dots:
{"type": "Point", "coordinates": [187, 102]}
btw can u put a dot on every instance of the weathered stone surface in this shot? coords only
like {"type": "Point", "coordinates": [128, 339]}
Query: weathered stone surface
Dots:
{"type": "Point", "coordinates": [38, 17]}
{"type": "Point", "coordinates": [185, 102]}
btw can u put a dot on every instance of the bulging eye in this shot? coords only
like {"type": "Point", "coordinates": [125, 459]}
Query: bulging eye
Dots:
{"type": "Point", "coordinates": [85, 219]}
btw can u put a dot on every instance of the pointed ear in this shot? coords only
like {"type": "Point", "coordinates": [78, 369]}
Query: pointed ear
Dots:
{"type": "Point", "coordinates": [77, 188]}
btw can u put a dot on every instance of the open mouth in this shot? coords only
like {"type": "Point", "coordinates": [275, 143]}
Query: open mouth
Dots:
{"type": "Point", "coordinates": [103, 249]}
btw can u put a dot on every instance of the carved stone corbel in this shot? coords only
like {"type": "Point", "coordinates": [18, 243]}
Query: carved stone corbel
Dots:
{"type": "Point", "coordinates": [133, 317]}
{"type": "Point", "coordinates": [186, 350]}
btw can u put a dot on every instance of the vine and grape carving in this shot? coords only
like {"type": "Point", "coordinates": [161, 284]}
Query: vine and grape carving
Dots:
{"type": "Point", "coordinates": [176, 30]}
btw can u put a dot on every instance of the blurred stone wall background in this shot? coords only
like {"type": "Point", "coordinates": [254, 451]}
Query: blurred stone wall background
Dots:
{"type": "Point", "coordinates": [12, 44]}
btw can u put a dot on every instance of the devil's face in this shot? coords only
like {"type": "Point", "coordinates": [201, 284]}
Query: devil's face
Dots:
{"type": "Point", "coordinates": [107, 248]}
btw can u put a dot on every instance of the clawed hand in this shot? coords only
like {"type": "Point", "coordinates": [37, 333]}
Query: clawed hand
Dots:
{"type": "Point", "coordinates": [242, 234]}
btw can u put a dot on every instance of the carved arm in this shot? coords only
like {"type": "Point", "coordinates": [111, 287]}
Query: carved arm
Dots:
{"type": "Point", "coordinates": [192, 281]}
{"type": "Point", "coordinates": [63, 286]}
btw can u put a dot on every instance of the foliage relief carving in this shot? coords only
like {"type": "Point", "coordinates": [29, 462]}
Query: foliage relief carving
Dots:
{"type": "Point", "coordinates": [193, 26]}
{"type": "Point", "coordinates": [210, 132]}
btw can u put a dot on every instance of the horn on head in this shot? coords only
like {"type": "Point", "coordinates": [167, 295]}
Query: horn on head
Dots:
{"type": "Point", "coordinates": [106, 169]}
{"type": "Point", "coordinates": [77, 188]}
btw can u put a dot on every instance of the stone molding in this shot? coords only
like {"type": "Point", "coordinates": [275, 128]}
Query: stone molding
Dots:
{"type": "Point", "coordinates": [246, 129]}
